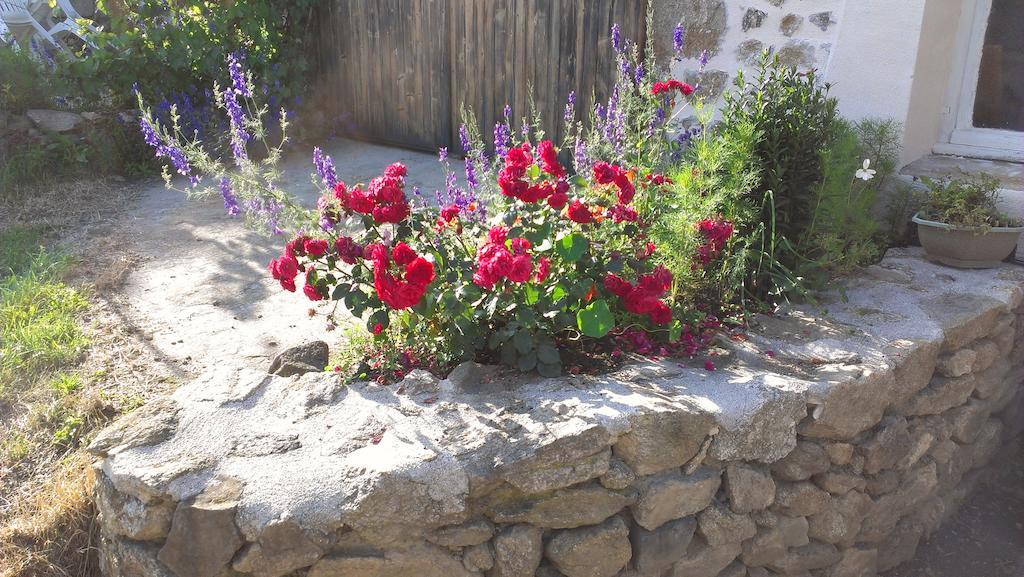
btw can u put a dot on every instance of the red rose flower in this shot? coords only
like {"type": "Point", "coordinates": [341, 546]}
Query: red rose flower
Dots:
{"type": "Point", "coordinates": [395, 170]}
{"type": "Point", "coordinates": [617, 285]}
{"type": "Point", "coordinates": [295, 247]}
{"type": "Point", "coordinates": [450, 212]}
{"type": "Point", "coordinates": [315, 247]}
{"type": "Point", "coordinates": [578, 212]}
{"type": "Point", "coordinates": [522, 268]}
{"type": "Point", "coordinates": [622, 213]}
{"type": "Point", "coordinates": [403, 254]}
{"type": "Point", "coordinates": [359, 201]}
{"type": "Point", "coordinates": [670, 85]}
{"type": "Point", "coordinates": [543, 269]}
{"type": "Point", "coordinates": [377, 329]}
{"type": "Point", "coordinates": [310, 290]}
{"type": "Point", "coordinates": [549, 159]}
{"type": "Point", "coordinates": [348, 251]}
{"type": "Point", "coordinates": [558, 200]}
{"type": "Point", "coordinates": [420, 271]}
{"type": "Point", "coordinates": [661, 315]}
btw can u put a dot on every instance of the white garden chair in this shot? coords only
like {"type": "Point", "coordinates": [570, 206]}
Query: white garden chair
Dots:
{"type": "Point", "coordinates": [72, 23]}
{"type": "Point", "coordinates": [16, 13]}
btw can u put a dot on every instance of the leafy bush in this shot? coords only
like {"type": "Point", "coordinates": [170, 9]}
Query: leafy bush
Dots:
{"type": "Point", "coordinates": [794, 116]}
{"type": "Point", "coordinates": [844, 232]}
{"type": "Point", "coordinates": [168, 48]}
{"type": "Point", "coordinates": [712, 183]}
{"type": "Point", "coordinates": [24, 82]}
{"type": "Point", "coordinates": [968, 201]}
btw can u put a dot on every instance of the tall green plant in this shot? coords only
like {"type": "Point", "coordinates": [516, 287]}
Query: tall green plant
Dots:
{"type": "Point", "coordinates": [794, 115]}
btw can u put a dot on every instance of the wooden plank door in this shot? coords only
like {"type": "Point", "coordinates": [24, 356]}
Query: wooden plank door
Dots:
{"type": "Point", "coordinates": [501, 50]}
{"type": "Point", "coordinates": [384, 69]}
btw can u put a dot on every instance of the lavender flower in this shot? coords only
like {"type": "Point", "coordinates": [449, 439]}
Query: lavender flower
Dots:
{"type": "Point", "coordinates": [502, 138]}
{"type": "Point", "coordinates": [600, 111]}
{"type": "Point", "coordinates": [325, 168]}
{"type": "Point", "coordinates": [166, 149]}
{"type": "Point", "coordinates": [230, 202]}
{"type": "Point", "coordinates": [471, 173]}
{"type": "Point", "coordinates": [570, 107]}
{"type": "Point", "coordinates": [464, 137]}
{"type": "Point", "coordinates": [639, 75]}
{"type": "Point", "coordinates": [238, 81]}
{"type": "Point", "coordinates": [624, 68]}
{"type": "Point", "coordinates": [703, 60]}
{"type": "Point", "coordinates": [580, 157]}
{"type": "Point", "coordinates": [268, 211]}
{"type": "Point", "coordinates": [442, 154]}
{"type": "Point", "coordinates": [617, 38]}
{"type": "Point", "coordinates": [678, 37]}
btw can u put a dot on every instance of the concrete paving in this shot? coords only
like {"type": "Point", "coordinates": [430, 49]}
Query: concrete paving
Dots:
{"type": "Point", "coordinates": [202, 292]}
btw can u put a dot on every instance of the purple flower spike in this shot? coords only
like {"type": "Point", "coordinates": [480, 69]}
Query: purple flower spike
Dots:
{"type": "Point", "coordinates": [570, 107]}
{"type": "Point", "coordinates": [678, 37]}
{"type": "Point", "coordinates": [325, 168]}
{"type": "Point", "coordinates": [617, 38]}
{"type": "Point", "coordinates": [230, 202]}
{"type": "Point", "coordinates": [464, 137]}
{"type": "Point", "coordinates": [640, 73]}
{"type": "Point", "coordinates": [502, 133]}
{"type": "Point", "coordinates": [238, 83]}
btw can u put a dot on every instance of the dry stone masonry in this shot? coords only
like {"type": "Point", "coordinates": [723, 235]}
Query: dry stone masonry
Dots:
{"type": "Point", "coordinates": [834, 456]}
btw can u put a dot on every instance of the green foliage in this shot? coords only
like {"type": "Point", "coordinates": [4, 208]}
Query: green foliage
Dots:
{"type": "Point", "coordinates": [714, 179]}
{"type": "Point", "coordinates": [169, 48]}
{"type": "Point", "coordinates": [844, 233]}
{"type": "Point", "coordinates": [38, 325]}
{"type": "Point", "coordinates": [18, 247]}
{"type": "Point", "coordinates": [794, 115]}
{"type": "Point", "coordinates": [24, 82]}
{"type": "Point", "coordinates": [970, 201]}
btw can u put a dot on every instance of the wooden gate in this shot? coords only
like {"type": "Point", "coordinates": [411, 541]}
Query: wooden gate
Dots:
{"type": "Point", "coordinates": [397, 71]}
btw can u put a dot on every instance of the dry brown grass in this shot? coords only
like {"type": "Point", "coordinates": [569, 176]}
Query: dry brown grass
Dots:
{"type": "Point", "coordinates": [53, 532]}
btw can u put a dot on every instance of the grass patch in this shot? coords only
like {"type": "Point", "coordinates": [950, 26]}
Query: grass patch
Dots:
{"type": "Point", "coordinates": [38, 314]}
{"type": "Point", "coordinates": [18, 246]}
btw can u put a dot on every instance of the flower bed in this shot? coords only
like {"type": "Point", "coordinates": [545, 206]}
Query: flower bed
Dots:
{"type": "Point", "coordinates": [837, 454]}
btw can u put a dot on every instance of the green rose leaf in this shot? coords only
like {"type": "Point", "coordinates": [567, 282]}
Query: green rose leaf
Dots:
{"type": "Point", "coordinates": [380, 317]}
{"type": "Point", "coordinates": [596, 319]}
{"type": "Point", "coordinates": [571, 247]}
{"type": "Point", "coordinates": [533, 171]}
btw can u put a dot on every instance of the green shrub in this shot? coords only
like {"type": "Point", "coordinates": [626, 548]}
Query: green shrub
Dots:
{"type": "Point", "coordinates": [794, 116]}
{"type": "Point", "coordinates": [844, 232]}
{"type": "Point", "coordinates": [170, 48]}
{"type": "Point", "coordinates": [24, 82]}
{"type": "Point", "coordinates": [714, 180]}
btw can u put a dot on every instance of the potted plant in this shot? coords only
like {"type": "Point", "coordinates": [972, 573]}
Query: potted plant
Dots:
{"type": "Point", "coordinates": [960, 224]}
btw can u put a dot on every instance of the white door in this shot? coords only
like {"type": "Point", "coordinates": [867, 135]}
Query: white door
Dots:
{"type": "Point", "coordinates": [989, 116]}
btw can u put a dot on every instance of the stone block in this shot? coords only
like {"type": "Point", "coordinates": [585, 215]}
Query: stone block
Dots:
{"type": "Point", "coordinates": [671, 495]}
{"type": "Point", "coordinates": [900, 545]}
{"type": "Point", "coordinates": [734, 569]}
{"type": "Point", "coordinates": [987, 443]}
{"type": "Point", "coordinates": [990, 382]}
{"type": "Point", "coordinates": [597, 551]}
{"type": "Point", "coordinates": [703, 560]}
{"type": "Point", "coordinates": [939, 396]}
{"type": "Point", "coordinates": [564, 508]}
{"type": "Point", "coordinates": [769, 544]}
{"type": "Point", "coordinates": [517, 551]}
{"type": "Point", "coordinates": [664, 440]}
{"type": "Point", "coordinates": [799, 499]}
{"type": "Point", "coordinates": [128, 516]}
{"type": "Point", "coordinates": [882, 483]}
{"type": "Point", "coordinates": [888, 446]}
{"type": "Point", "coordinates": [478, 557]}
{"type": "Point", "coordinates": [748, 488]}
{"type": "Point", "coordinates": [966, 420]}
{"type": "Point", "coordinates": [840, 522]}
{"type": "Point", "coordinates": [790, 23]}
{"type": "Point", "coordinates": [986, 351]}
{"type": "Point", "coordinates": [415, 561]}
{"type": "Point", "coordinates": [654, 551]}
{"type": "Point", "coordinates": [839, 453]}
{"type": "Point", "coordinates": [806, 459]}
{"type": "Point", "coordinates": [839, 482]}
{"type": "Point", "coordinates": [956, 364]}
{"type": "Point", "coordinates": [203, 536]}
{"type": "Point", "coordinates": [814, 555]}
{"type": "Point", "coordinates": [855, 562]}
{"type": "Point", "coordinates": [464, 535]}
{"type": "Point", "coordinates": [618, 476]}
{"type": "Point", "coordinates": [849, 403]}
{"type": "Point", "coordinates": [281, 549]}
{"type": "Point", "coordinates": [718, 525]}
{"type": "Point", "coordinates": [794, 530]}
{"type": "Point", "coordinates": [551, 472]}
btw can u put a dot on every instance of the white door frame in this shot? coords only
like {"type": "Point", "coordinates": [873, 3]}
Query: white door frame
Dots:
{"type": "Point", "coordinates": [960, 136]}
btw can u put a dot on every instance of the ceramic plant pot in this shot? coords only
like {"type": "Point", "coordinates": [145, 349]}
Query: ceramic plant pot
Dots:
{"type": "Point", "coordinates": [966, 247]}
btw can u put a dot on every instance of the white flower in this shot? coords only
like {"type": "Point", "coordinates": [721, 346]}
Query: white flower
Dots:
{"type": "Point", "coordinates": [865, 173]}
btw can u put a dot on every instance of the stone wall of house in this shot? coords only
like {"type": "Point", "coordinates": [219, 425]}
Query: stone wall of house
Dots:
{"type": "Point", "coordinates": [824, 446]}
{"type": "Point", "coordinates": [735, 32]}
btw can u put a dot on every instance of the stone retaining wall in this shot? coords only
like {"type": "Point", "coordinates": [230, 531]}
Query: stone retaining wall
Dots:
{"type": "Point", "coordinates": [825, 446]}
